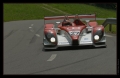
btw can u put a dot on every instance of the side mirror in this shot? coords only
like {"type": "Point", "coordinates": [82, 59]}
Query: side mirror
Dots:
{"type": "Point", "coordinates": [87, 21]}
{"type": "Point", "coordinates": [57, 22]}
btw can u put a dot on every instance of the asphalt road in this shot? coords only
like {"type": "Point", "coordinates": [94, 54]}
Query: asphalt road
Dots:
{"type": "Point", "coordinates": [24, 54]}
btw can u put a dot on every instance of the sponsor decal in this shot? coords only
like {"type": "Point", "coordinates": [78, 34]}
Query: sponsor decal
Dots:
{"type": "Point", "coordinates": [85, 38]}
{"type": "Point", "coordinates": [74, 32]}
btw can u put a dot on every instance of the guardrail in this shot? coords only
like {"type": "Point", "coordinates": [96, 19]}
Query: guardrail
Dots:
{"type": "Point", "coordinates": [110, 21]}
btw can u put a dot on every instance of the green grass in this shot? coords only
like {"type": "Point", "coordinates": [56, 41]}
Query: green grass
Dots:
{"type": "Point", "coordinates": [25, 11]}
{"type": "Point", "coordinates": [85, 9]}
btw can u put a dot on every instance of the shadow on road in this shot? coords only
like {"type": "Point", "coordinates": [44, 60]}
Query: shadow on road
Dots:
{"type": "Point", "coordinates": [71, 48]}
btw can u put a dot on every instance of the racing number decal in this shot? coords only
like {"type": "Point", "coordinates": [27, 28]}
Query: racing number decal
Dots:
{"type": "Point", "coordinates": [74, 32]}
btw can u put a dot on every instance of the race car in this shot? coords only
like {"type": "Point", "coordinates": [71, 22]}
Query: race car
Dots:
{"type": "Point", "coordinates": [73, 30]}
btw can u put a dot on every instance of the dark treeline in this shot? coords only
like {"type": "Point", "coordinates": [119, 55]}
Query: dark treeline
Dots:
{"type": "Point", "coordinates": [112, 6]}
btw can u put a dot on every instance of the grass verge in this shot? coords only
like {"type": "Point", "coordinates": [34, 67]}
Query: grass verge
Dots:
{"type": "Point", "coordinates": [77, 8]}
{"type": "Point", "coordinates": [25, 11]}
{"type": "Point", "coordinates": [29, 11]}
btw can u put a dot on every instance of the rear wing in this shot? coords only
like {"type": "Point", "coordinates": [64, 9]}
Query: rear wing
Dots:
{"type": "Point", "coordinates": [85, 16]}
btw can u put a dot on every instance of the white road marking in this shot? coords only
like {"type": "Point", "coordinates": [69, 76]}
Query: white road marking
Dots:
{"type": "Point", "coordinates": [30, 27]}
{"type": "Point", "coordinates": [32, 30]}
{"type": "Point", "coordinates": [32, 24]}
{"type": "Point", "coordinates": [37, 35]}
{"type": "Point", "coordinates": [108, 35]}
{"type": "Point", "coordinates": [52, 57]}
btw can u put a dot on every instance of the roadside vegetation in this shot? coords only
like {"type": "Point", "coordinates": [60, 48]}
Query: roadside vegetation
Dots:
{"type": "Point", "coordinates": [29, 11]}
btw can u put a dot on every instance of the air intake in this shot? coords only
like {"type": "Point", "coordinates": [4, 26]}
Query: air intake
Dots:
{"type": "Point", "coordinates": [75, 42]}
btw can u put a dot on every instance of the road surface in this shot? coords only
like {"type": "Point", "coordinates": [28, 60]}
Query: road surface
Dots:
{"type": "Point", "coordinates": [24, 54]}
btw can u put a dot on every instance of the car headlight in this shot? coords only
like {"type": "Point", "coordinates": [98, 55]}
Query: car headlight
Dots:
{"type": "Point", "coordinates": [96, 37]}
{"type": "Point", "coordinates": [52, 39]}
